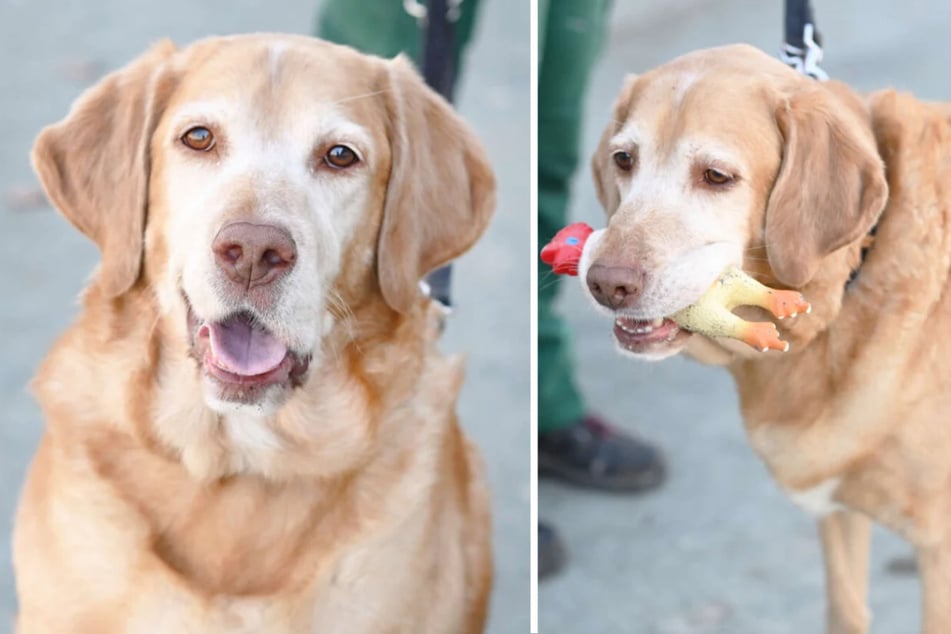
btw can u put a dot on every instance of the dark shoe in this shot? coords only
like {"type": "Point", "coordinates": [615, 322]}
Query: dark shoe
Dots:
{"type": "Point", "coordinates": [551, 551]}
{"type": "Point", "coordinates": [593, 454]}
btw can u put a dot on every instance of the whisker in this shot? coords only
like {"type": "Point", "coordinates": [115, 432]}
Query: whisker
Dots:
{"type": "Point", "coordinates": [363, 96]}
{"type": "Point", "coordinates": [349, 319]}
{"type": "Point", "coordinates": [548, 284]}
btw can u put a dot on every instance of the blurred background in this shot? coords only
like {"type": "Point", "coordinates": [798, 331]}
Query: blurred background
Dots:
{"type": "Point", "coordinates": [718, 549]}
{"type": "Point", "coordinates": [50, 51]}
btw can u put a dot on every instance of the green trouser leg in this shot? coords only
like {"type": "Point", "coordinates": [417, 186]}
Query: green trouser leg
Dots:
{"type": "Point", "coordinates": [570, 37]}
{"type": "Point", "coordinates": [382, 27]}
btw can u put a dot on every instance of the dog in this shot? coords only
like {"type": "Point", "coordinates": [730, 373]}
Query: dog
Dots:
{"type": "Point", "coordinates": [727, 157]}
{"type": "Point", "coordinates": [249, 427]}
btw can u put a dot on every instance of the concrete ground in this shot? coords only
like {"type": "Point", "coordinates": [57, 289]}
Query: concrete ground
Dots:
{"type": "Point", "coordinates": [50, 50]}
{"type": "Point", "coordinates": [717, 550]}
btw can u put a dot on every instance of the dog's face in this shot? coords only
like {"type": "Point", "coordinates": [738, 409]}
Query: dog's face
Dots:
{"type": "Point", "coordinates": [722, 157]}
{"type": "Point", "coordinates": [261, 181]}
{"type": "Point", "coordinates": [261, 186]}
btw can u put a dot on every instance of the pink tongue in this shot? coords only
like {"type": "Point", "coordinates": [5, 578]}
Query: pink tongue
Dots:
{"type": "Point", "coordinates": [241, 349]}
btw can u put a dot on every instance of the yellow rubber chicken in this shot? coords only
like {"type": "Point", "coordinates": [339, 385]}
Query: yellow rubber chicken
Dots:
{"type": "Point", "coordinates": [711, 315]}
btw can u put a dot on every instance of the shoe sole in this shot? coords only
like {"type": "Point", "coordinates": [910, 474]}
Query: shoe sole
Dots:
{"type": "Point", "coordinates": [639, 482]}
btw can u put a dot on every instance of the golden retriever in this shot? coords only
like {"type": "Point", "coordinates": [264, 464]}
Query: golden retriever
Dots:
{"type": "Point", "coordinates": [249, 427]}
{"type": "Point", "coordinates": [727, 157]}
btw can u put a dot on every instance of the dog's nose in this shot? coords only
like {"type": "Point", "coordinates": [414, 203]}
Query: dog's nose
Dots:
{"type": "Point", "coordinates": [615, 286]}
{"type": "Point", "coordinates": [254, 255]}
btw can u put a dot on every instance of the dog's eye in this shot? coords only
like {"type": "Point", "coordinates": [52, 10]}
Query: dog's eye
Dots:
{"type": "Point", "coordinates": [340, 156]}
{"type": "Point", "coordinates": [199, 138]}
{"type": "Point", "coordinates": [624, 160]}
{"type": "Point", "coordinates": [716, 177]}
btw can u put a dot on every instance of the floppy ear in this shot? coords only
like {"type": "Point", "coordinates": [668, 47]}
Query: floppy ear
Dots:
{"type": "Point", "coordinates": [441, 191]}
{"type": "Point", "coordinates": [831, 185]}
{"type": "Point", "coordinates": [602, 165]}
{"type": "Point", "coordinates": [94, 164]}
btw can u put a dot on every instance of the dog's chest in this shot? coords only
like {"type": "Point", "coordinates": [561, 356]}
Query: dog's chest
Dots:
{"type": "Point", "coordinates": [383, 583]}
{"type": "Point", "coordinates": [403, 582]}
{"type": "Point", "coordinates": [168, 610]}
{"type": "Point", "coordinates": [818, 500]}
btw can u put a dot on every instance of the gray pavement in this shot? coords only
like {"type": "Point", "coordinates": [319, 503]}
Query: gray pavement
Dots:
{"type": "Point", "coordinates": [50, 50]}
{"type": "Point", "coordinates": [718, 550]}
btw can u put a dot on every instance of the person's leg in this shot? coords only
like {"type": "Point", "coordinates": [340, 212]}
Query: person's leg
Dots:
{"type": "Point", "coordinates": [384, 28]}
{"type": "Point", "coordinates": [572, 32]}
{"type": "Point", "coordinates": [574, 445]}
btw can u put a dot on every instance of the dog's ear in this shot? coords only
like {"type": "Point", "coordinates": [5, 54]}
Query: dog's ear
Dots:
{"type": "Point", "coordinates": [602, 165]}
{"type": "Point", "coordinates": [831, 185]}
{"type": "Point", "coordinates": [441, 191]}
{"type": "Point", "coordinates": [94, 164]}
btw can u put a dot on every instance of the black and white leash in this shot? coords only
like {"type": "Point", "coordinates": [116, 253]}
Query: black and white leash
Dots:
{"type": "Point", "coordinates": [802, 48]}
{"type": "Point", "coordinates": [437, 20]}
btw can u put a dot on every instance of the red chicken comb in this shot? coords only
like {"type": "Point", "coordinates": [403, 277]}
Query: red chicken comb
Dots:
{"type": "Point", "coordinates": [564, 251]}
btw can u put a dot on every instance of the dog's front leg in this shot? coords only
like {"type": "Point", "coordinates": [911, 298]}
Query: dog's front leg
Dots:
{"type": "Point", "coordinates": [934, 564]}
{"type": "Point", "coordinates": [845, 546]}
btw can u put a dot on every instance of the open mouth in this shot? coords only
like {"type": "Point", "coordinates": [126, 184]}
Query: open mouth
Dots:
{"type": "Point", "coordinates": [648, 335]}
{"type": "Point", "coordinates": [243, 357]}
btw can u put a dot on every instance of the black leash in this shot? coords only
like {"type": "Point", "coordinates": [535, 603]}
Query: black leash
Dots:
{"type": "Point", "coordinates": [439, 46]}
{"type": "Point", "coordinates": [437, 19]}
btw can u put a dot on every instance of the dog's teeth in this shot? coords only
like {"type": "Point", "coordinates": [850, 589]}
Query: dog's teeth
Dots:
{"type": "Point", "coordinates": [786, 347]}
{"type": "Point", "coordinates": [794, 314]}
{"type": "Point", "coordinates": [780, 317]}
{"type": "Point", "coordinates": [763, 349]}
{"type": "Point", "coordinates": [643, 327]}
{"type": "Point", "coordinates": [808, 309]}
{"type": "Point", "coordinates": [640, 329]}
{"type": "Point", "coordinates": [621, 325]}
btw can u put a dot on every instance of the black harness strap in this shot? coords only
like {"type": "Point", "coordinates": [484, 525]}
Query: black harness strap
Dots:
{"type": "Point", "coordinates": [438, 23]}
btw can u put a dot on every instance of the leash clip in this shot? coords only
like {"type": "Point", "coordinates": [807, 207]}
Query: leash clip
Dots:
{"type": "Point", "coordinates": [805, 60]}
{"type": "Point", "coordinates": [419, 11]}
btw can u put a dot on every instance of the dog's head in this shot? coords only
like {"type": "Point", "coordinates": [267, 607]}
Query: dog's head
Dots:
{"type": "Point", "coordinates": [260, 185]}
{"type": "Point", "coordinates": [723, 157]}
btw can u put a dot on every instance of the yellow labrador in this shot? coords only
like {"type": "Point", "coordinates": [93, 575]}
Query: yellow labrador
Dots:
{"type": "Point", "coordinates": [249, 428]}
{"type": "Point", "coordinates": [727, 157]}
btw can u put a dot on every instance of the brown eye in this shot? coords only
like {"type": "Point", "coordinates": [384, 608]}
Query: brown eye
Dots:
{"type": "Point", "coordinates": [199, 138]}
{"type": "Point", "coordinates": [340, 156]}
{"type": "Point", "coordinates": [624, 160]}
{"type": "Point", "coordinates": [716, 177]}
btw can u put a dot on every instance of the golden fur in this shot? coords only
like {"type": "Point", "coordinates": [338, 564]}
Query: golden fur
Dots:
{"type": "Point", "coordinates": [858, 408]}
{"type": "Point", "coordinates": [356, 505]}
